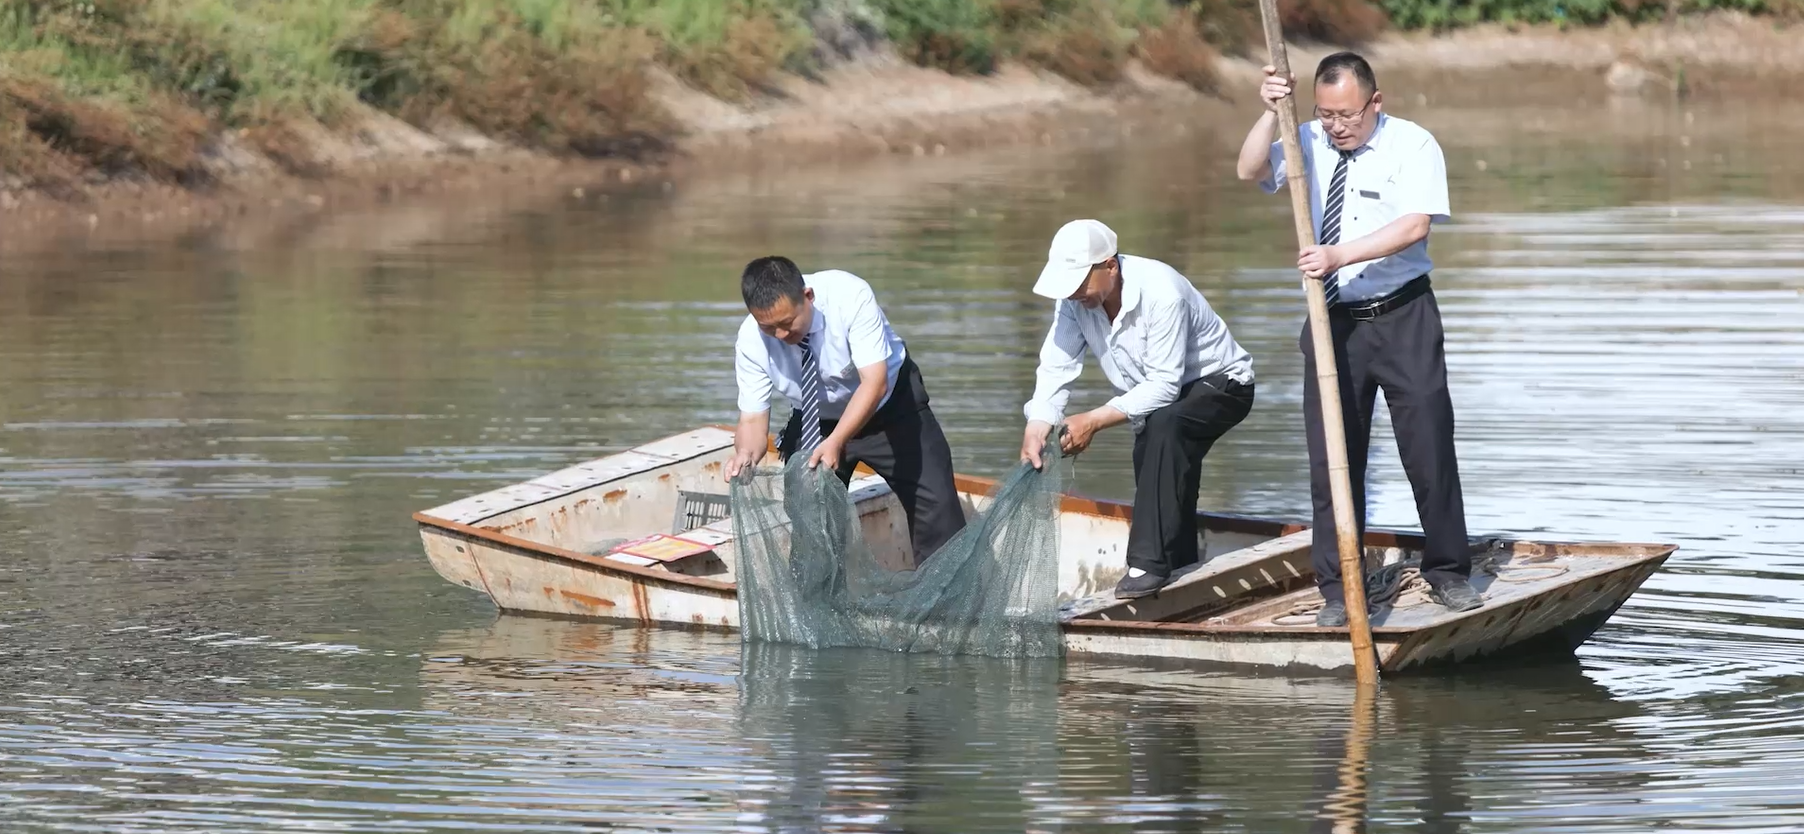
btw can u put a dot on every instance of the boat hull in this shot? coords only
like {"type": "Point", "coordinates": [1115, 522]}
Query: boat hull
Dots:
{"type": "Point", "coordinates": [530, 549]}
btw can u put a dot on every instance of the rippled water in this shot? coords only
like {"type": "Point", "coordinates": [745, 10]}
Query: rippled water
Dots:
{"type": "Point", "coordinates": [215, 616]}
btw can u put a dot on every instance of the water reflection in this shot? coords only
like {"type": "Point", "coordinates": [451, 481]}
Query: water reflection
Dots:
{"type": "Point", "coordinates": [901, 742]}
{"type": "Point", "coordinates": [214, 614]}
{"type": "Point", "coordinates": [1345, 796]}
{"type": "Point", "coordinates": [858, 740]}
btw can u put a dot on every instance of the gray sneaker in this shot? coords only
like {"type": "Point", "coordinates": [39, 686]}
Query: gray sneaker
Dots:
{"type": "Point", "coordinates": [1332, 615]}
{"type": "Point", "coordinates": [1456, 595]}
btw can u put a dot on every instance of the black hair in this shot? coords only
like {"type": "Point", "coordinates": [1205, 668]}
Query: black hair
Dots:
{"type": "Point", "coordinates": [1333, 67]}
{"type": "Point", "coordinates": [769, 280]}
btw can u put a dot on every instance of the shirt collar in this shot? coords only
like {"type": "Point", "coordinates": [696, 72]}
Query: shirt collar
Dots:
{"type": "Point", "coordinates": [1377, 132]}
{"type": "Point", "coordinates": [1130, 296]}
{"type": "Point", "coordinates": [819, 323]}
{"type": "Point", "coordinates": [1130, 290]}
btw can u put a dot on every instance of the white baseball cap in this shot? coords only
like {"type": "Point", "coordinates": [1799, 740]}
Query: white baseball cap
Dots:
{"type": "Point", "coordinates": [1078, 246]}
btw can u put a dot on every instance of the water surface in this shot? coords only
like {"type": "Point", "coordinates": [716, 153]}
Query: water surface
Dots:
{"type": "Point", "coordinates": [215, 616]}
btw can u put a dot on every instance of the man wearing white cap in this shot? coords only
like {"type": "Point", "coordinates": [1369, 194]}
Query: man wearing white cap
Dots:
{"type": "Point", "coordinates": [1181, 382]}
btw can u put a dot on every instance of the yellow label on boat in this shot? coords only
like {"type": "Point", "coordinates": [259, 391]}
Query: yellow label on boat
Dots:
{"type": "Point", "coordinates": [661, 548]}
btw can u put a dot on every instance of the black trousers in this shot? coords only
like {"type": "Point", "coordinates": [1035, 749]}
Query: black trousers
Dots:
{"type": "Point", "coordinates": [1168, 466]}
{"type": "Point", "coordinates": [903, 443]}
{"type": "Point", "coordinates": [1402, 353]}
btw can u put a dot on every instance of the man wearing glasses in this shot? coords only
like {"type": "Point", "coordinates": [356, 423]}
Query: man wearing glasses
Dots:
{"type": "Point", "coordinates": [1376, 183]}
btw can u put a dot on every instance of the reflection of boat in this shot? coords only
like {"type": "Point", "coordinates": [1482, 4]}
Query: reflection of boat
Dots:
{"type": "Point", "coordinates": [545, 546]}
{"type": "Point", "coordinates": [1326, 755]}
{"type": "Point", "coordinates": [561, 672]}
{"type": "Point", "coordinates": [791, 737]}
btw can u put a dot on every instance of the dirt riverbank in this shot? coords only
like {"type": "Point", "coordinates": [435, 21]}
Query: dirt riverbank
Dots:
{"type": "Point", "coordinates": [883, 106]}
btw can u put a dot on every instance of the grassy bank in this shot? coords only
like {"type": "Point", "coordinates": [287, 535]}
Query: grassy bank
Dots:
{"type": "Point", "coordinates": [146, 87]}
{"type": "Point", "coordinates": [1448, 14]}
{"type": "Point", "coordinates": [158, 89]}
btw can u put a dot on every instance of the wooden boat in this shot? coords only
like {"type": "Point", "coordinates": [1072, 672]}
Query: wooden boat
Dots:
{"type": "Point", "coordinates": [549, 546]}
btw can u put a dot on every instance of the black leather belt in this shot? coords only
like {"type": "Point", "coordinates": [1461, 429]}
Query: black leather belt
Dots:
{"type": "Point", "coordinates": [1219, 381]}
{"type": "Point", "coordinates": [1369, 310]}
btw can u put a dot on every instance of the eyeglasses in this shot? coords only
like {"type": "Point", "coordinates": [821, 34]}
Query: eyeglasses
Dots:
{"type": "Point", "coordinates": [1347, 118]}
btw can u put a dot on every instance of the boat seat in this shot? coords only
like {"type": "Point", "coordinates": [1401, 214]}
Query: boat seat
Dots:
{"type": "Point", "coordinates": [693, 549]}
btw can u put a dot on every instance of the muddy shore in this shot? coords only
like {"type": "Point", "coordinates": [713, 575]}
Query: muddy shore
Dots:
{"type": "Point", "coordinates": [883, 106]}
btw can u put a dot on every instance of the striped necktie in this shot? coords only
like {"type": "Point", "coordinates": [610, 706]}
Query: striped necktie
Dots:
{"type": "Point", "coordinates": [1337, 193]}
{"type": "Point", "coordinates": [811, 400]}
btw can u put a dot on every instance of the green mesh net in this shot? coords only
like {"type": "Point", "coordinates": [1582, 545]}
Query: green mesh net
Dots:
{"type": "Point", "coordinates": [807, 577]}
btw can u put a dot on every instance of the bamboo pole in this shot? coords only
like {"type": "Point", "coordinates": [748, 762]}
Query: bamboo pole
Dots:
{"type": "Point", "coordinates": [1345, 807]}
{"type": "Point", "coordinates": [1327, 375]}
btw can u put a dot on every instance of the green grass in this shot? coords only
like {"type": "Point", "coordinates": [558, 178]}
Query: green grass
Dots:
{"type": "Point", "coordinates": [544, 73]}
{"type": "Point", "coordinates": [78, 50]}
{"type": "Point", "coordinates": [273, 58]}
{"type": "Point", "coordinates": [233, 58]}
{"type": "Point", "coordinates": [1138, 14]}
{"type": "Point", "coordinates": [957, 36]}
{"type": "Point", "coordinates": [1446, 14]}
{"type": "Point", "coordinates": [72, 97]}
{"type": "Point", "coordinates": [726, 47]}
{"type": "Point", "coordinates": [141, 86]}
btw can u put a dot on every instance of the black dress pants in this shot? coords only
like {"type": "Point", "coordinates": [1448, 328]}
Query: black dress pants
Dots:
{"type": "Point", "coordinates": [904, 444]}
{"type": "Point", "coordinates": [1401, 352]}
{"type": "Point", "coordinates": [1168, 461]}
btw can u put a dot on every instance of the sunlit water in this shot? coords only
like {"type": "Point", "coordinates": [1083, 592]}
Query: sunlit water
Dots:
{"type": "Point", "coordinates": [215, 615]}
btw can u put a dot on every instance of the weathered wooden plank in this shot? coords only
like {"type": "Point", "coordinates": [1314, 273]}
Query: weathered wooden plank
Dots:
{"type": "Point", "coordinates": [600, 471]}
{"type": "Point", "coordinates": [1292, 652]}
{"type": "Point", "coordinates": [523, 581]}
{"type": "Point", "coordinates": [451, 558]}
{"type": "Point", "coordinates": [1538, 579]}
{"type": "Point", "coordinates": [1271, 565]}
{"type": "Point", "coordinates": [688, 444]}
{"type": "Point", "coordinates": [1575, 608]}
{"type": "Point", "coordinates": [584, 475]}
{"type": "Point", "coordinates": [492, 503]}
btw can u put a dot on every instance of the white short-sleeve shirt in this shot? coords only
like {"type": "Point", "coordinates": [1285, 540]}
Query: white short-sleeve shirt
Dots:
{"type": "Point", "coordinates": [849, 332]}
{"type": "Point", "coordinates": [1399, 171]}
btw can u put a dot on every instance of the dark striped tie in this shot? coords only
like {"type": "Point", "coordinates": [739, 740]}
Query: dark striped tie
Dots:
{"type": "Point", "coordinates": [811, 401]}
{"type": "Point", "coordinates": [1337, 193]}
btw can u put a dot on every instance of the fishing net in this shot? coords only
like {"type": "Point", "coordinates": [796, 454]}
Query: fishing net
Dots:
{"type": "Point", "coordinates": [807, 576]}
